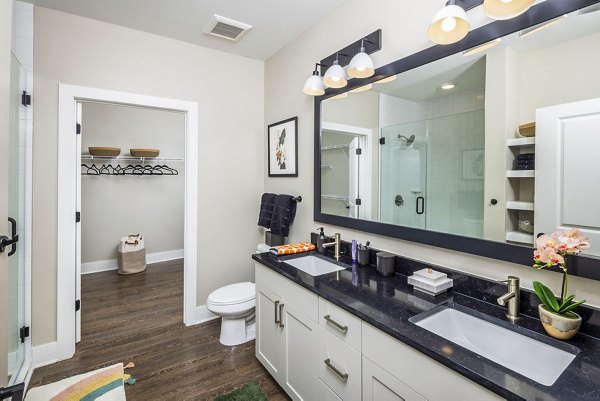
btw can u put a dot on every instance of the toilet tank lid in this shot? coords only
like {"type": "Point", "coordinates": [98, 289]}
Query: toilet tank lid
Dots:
{"type": "Point", "coordinates": [233, 294]}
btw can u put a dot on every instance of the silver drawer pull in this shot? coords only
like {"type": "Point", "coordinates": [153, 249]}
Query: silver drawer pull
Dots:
{"type": "Point", "coordinates": [336, 324]}
{"type": "Point", "coordinates": [343, 376]}
{"type": "Point", "coordinates": [276, 307]}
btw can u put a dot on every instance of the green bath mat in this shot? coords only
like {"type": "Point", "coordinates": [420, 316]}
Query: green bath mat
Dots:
{"type": "Point", "coordinates": [250, 392]}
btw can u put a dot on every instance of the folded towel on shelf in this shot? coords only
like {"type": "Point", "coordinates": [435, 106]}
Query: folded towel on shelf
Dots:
{"type": "Point", "coordinates": [292, 248]}
{"type": "Point", "coordinates": [266, 210]}
{"type": "Point", "coordinates": [284, 211]}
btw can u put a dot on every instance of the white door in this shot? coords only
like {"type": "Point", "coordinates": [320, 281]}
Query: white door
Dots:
{"type": "Point", "coordinates": [301, 347]}
{"type": "Point", "coordinates": [78, 229]}
{"type": "Point", "coordinates": [269, 333]}
{"type": "Point", "coordinates": [353, 190]}
{"type": "Point", "coordinates": [567, 182]}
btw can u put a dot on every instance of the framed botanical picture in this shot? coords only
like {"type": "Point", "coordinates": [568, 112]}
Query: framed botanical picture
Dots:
{"type": "Point", "coordinates": [283, 148]}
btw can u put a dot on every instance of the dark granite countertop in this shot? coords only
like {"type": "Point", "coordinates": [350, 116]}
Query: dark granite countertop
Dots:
{"type": "Point", "coordinates": [388, 303]}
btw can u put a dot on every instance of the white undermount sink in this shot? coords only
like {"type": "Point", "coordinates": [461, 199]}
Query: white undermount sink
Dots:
{"type": "Point", "coordinates": [531, 358]}
{"type": "Point", "coordinates": [313, 265]}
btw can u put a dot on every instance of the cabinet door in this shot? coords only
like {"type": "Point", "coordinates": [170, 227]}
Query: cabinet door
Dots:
{"type": "Point", "coordinates": [379, 385]}
{"type": "Point", "coordinates": [324, 393]}
{"type": "Point", "coordinates": [269, 333]}
{"type": "Point", "coordinates": [301, 346]}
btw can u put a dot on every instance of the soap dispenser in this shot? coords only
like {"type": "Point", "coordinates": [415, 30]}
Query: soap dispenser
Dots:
{"type": "Point", "coordinates": [321, 239]}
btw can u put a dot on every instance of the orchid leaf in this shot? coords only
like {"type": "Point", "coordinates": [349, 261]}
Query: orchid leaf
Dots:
{"type": "Point", "coordinates": [546, 296]}
{"type": "Point", "coordinates": [572, 306]}
{"type": "Point", "coordinates": [566, 303]}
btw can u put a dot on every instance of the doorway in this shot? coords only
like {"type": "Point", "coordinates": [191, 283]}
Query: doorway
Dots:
{"type": "Point", "coordinates": [132, 203]}
{"type": "Point", "coordinates": [69, 184]}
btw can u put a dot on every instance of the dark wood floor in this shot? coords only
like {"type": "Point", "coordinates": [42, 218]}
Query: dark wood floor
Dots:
{"type": "Point", "coordinates": [138, 319]}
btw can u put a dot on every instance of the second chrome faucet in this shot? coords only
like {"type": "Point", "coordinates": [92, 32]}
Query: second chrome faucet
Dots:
{"type": "Point", "coordinates": [512, 297]}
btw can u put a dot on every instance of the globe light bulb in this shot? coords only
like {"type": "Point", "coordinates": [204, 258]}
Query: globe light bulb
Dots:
{"type": "Point", "coordinates": [448, 24]}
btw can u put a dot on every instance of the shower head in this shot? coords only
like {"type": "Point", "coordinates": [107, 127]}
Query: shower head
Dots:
{"type": "Point", "coordinates": [409, 140]}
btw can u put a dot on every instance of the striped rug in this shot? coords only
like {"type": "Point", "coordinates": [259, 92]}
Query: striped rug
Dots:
{"type": "Point", "coordinates": [105, 384]}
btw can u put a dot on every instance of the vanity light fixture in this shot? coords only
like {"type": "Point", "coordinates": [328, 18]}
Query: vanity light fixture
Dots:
{"type": "Point", "coordinates": [314, 84]}
{"type": "Point", "coordinates": [363, 88]}
{"type": "Point", "coordinates": [483, 47]}
{"type": "Point", "coordinates": [391, 78]}
{"type": "Point", "coordinates": [506, 9]}
{"type": "Point", "coordinates": [449, 25]}
{"type": "Point", "coordinates": [448, 86]}
{"type": "Point", "coordinates": [335, 76]}
{"type": "Point", "coordinates": [361, 65]}
{"type": "Point", "coordinates": [539, 27]}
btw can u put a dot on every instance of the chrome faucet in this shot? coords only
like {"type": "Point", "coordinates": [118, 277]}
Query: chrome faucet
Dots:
{"type": "Point", "coordinates": [337, 243]}
{"type": "Point", "coordinates": [512, 297]}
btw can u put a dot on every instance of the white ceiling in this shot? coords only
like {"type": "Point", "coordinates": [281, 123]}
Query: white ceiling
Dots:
{"type": "Point", "coordinates": [275, 22]}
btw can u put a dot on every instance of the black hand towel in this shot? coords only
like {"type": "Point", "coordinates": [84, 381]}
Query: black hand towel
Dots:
{"type": "Point", "coordinates": [266, 210]}
{"type": "Point", "coordinates": [284, 211]}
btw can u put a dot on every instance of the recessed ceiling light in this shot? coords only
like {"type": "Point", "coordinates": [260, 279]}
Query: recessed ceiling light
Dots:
{"type": "Point", "coordinates": [362, 88]}
{"type": "Point", "coordinates": [539, 27]}
{"type": "Point", "coordinates": [386, 80]}
{"type": "Point", "coordinates": [482, 47]}
{"type": "Point", "coordinates": [448, 86]}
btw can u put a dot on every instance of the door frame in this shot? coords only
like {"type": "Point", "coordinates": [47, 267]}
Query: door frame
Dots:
{"type": "Point", "coordinates": [68, 165]}
{"type": "Point", "coordinates": [365, 136]}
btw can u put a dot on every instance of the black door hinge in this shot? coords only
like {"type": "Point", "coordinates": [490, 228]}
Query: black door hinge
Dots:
{"type": "Point", "coordinates": [358, 151]}
{"type": "Point", "coordinates": [25, 99]}
{"type": "Point", "coordinates": [23, 333]}
{"type": "Point", "coordinates": [358, 202]}
{"type": "Point", "coordinates": [77, 305]}
{"type": "Point", "coordinates": [77, 217]}
{"type": "Point", "coordinates": [78, 129]}
{"type": "Point", "coordinates": [382, 141]}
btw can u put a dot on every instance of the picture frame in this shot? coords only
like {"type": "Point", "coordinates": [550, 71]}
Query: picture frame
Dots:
{"type": "Point", "coordinates": [282, 148]}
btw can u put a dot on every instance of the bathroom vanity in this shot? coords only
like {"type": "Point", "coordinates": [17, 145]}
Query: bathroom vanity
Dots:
{"type": "Point", "coordinates": [354, 335]}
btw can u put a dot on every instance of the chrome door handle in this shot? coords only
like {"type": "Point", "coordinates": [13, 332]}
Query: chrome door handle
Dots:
{"type": "Point", "coordinates": [343, 376]}
{"type": "Point", "coordinates": [336, 324]}
{"type": "Point", "coordinates": [280, 315]}
{"type": "Point", "coordinates": [276, 305]}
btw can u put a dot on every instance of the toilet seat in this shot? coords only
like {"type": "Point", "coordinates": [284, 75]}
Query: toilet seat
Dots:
{"type": "Point", "coordinates": [233, 294]}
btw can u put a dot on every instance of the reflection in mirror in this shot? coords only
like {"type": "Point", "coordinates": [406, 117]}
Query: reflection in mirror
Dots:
{"type": "Point", "coordinates": [452, 146]}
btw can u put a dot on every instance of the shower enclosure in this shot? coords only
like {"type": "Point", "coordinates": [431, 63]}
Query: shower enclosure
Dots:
{"type": "Point", "coordinates": [432, 174]}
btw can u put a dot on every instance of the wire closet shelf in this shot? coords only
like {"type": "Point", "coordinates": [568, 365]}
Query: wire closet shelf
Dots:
{"type": "Point", "coordinates": [139, 166]}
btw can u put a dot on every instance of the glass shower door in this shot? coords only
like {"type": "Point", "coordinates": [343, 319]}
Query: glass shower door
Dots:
{"type": "Point", "coordinates": [16, 212]}
{"type": "Point", "coordinates": [404, 174]}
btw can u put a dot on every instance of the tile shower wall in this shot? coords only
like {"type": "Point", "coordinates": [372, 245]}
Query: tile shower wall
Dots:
{"type": "Point", "coordinates": [455, 162]}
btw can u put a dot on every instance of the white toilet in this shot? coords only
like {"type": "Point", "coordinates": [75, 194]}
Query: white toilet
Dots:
{"type": "Point", "coordinates": [235, 304]}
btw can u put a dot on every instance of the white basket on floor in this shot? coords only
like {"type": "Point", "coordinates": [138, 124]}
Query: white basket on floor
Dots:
{"type": "Point", "coordinates": [132, 254]}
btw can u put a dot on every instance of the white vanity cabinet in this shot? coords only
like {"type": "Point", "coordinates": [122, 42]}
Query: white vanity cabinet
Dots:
{"type": "Point", "coordinates": [287, 333]}
{"type": "Point", "coordinates": [411, 375]}
{"type": "Point", "coordinates": [319, 352]}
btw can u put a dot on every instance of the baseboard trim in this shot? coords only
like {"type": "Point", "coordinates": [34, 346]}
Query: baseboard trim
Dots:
{"type": "Point", "coordinates": [203, 315]}
{"type": "Point", "coordinates": [107, 265]}
{"type": "Point", "coordinates": [45, 354]}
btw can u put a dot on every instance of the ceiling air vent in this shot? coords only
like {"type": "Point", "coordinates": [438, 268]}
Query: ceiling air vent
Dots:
{"type": "Point", "coordinates": [226, 28]}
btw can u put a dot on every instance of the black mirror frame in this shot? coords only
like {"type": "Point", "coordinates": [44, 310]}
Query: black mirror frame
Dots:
{"type": "Point", "coordinates": [581, 266]}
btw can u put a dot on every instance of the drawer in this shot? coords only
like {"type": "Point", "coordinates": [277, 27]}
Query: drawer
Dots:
{"type": "Point", "coordinates": [324, 393]}
{"type": "Point", "coordinates": [379, 385]}
{"type": "Point", "coordinates": [303, 300]}
{"type": "Point", "coordinates": [339, 366]}
{"type": "Point", "coordinates": [419, 371]}
{"type": "Point", "coordinates": [340, 323]}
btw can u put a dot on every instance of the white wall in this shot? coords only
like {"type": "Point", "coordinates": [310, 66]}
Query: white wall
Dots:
{"type": "Point", "coordinates": [115, 206]}
{"type": "Point", "coordinates": [404, 31]}
{"type": "Point", "coordinates": [563, 73]}
{"type": "Point", "coordinates": [230, 92]}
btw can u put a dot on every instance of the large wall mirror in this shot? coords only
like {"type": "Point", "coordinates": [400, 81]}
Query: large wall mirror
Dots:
{"type": "Point", "coordinates": [494, 144]}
